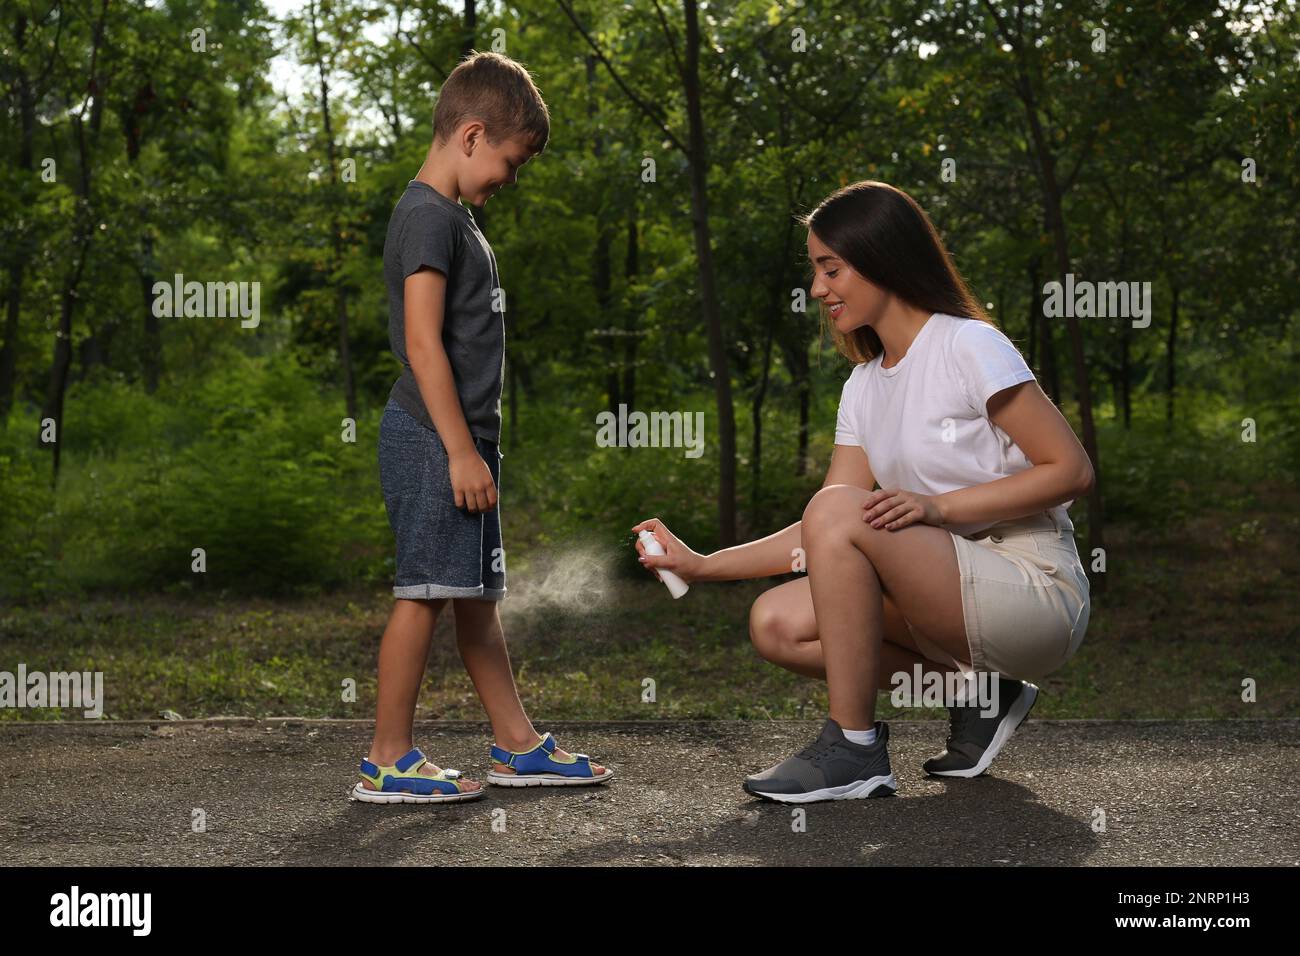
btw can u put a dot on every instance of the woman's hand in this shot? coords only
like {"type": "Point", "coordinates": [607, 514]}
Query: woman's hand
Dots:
{"type": "Point", "coordinates": [892, 508]}
{"type": "Point", "coordinates": [677, 557]}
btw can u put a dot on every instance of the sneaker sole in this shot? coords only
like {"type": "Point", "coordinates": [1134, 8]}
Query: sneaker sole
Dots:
{"type": "Point", "coordinates": [362, 795]}
{"type": "Point", "coordinates": [1010, 723]}
{"type": "Point", "coordinates": [545, 780]}
{"type": "Point", "coordinates": [857, 790]}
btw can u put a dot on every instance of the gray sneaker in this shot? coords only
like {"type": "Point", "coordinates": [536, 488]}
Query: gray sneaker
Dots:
{"type": "Point", "coordinates": [830, 768]}
{"type": "Point", "coordinates": [974, 739]}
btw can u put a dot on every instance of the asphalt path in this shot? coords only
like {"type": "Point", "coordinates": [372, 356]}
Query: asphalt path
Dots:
{"type": "Point", "coordinates": [274, 792]}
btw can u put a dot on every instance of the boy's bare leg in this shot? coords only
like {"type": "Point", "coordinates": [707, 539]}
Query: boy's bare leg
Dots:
{"type": "Point", "coordinates": [403, 654]}
{"type": "Point", "coordinates": [482, 645]}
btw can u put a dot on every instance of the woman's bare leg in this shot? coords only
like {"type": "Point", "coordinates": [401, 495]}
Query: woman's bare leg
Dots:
{"type": "Point", "coordinates": [850, 565]}
{"type": "Point", "coordinates": [783, 628]}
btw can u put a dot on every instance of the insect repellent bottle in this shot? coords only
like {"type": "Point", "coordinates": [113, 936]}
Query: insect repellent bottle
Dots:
{"type": "Point", "coordinates": [676, 586]}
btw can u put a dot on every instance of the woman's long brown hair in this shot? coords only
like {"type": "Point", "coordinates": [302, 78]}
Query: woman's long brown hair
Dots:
{"type": "Point", "coordinates": [887, 238]}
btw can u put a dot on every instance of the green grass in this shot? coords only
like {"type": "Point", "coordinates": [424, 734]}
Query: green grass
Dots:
{"type": "Point", "coordinates": [1186, 617]}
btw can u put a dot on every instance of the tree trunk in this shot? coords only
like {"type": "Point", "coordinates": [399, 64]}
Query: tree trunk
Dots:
{"type": "Point", "coordinates": [133, 127]}
{"type": "Point", "coordinates": [21, 249]}
{"type": "Point", "coordinates": [1046, 344]}
{"type": "Point", "coordinates": [1053, 193]}
{"type": "Point", "coordinates": [1169, 357]}
{"type": "Point", "coordinates": [776, 298]}
{"type": "Point", "coordinates": [708, 293]}
{"type": "Point", "coordinates": [62, 359]}
{"type": "Point", "coordinates": [336, 235]}
{"type": "Point", "coordinates": [153, 360]}
{"type": "Point", "coordinates": [512, 393]}
{"type": "Point", "coordinates": [469, 29]}
{"type": "Point", "coordinates": [602, 278]}
{"type": "Point", "coordinates": [1032, 324]}
{"type": "Point", "coordinates": [1082, 386]}
{"type": "Point", "coordinates": [94, 347]}
{"type": "Point", "coordinates": [468, 40]}
{"type": "Point", "coordinates": [9, 353]}
{"type": "Point", "coordinates": [805, 402]}
{"type": "Point", "coordinates": [1125, 401]}
{"type": "Point", "coordinates": [631, 336]}
{"type": "Point", "coordinates": [756, 423]}
{"type": "Point", "coordinates": [1054, 217]}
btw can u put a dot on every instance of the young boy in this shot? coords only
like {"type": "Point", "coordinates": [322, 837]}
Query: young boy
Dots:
{"type": "Point", "coordinates": [439, 463]}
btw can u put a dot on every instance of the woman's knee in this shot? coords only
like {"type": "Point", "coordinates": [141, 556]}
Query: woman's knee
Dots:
{"type": "Point", "coordinates": [830, 510]}
{"type": "Point", "coordinates": [771, 629]}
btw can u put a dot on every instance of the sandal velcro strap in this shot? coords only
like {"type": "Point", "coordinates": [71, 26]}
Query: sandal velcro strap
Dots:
{"type": "Point", "coordinates": [410, 760]}
{"type": "Point", "coordinates": [508, 757]}
{"type": "Point", "coordinates": [501, 755]}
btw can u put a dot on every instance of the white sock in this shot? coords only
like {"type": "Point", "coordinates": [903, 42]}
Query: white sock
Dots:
{"type": "Point", "coordinates": [861, 736]}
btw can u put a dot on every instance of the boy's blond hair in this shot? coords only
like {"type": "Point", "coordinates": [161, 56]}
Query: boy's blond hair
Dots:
{"type": "Point", "coordinates": [500, 92]}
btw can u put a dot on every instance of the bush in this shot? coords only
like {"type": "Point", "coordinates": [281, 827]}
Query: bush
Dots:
{"type": "Point", "coordinates": [247, 464]}
{"type": "Point", "coordinates": [1159, 476]}
{"type": "Point", "coordinates": [26, 512]}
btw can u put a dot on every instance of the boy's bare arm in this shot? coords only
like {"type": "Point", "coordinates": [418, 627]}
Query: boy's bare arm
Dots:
{"type": "Point", "coordinates": [425, 293]}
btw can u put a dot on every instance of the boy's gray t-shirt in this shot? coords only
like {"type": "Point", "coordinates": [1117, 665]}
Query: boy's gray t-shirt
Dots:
{"type": "Point", "coordinates": [428, 229]}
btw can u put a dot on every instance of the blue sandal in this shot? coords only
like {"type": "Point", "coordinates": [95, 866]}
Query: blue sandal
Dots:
{"type": "Point", "coordinates": [402, 782]}
{"type": "Point", "coordinates": [540, 767]}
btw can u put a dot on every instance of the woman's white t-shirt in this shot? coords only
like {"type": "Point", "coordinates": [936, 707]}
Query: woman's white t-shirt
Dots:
{"type": "Point", "coordinates": [923, 423]}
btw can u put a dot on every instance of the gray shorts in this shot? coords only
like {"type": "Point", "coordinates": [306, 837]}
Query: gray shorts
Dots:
{"type": "Point", "coordinates": [442, 551]}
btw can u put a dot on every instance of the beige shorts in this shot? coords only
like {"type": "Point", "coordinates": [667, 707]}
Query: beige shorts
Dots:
{"type": "Point", "coordinates": [1024, 595]}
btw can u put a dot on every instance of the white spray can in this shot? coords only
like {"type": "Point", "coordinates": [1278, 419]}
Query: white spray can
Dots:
{"type": "Point", "coordinates": [676, 586]}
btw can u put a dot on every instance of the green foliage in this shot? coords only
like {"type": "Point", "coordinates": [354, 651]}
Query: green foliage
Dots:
{"type": "Point", "coordinates": [1159, 477]}
{"type": "Point", "coordinates": [198, 164]}
{"type": "Point", "coordinates": [26, 513]}
{"type": "Point", "coordinates": [247, 463]}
